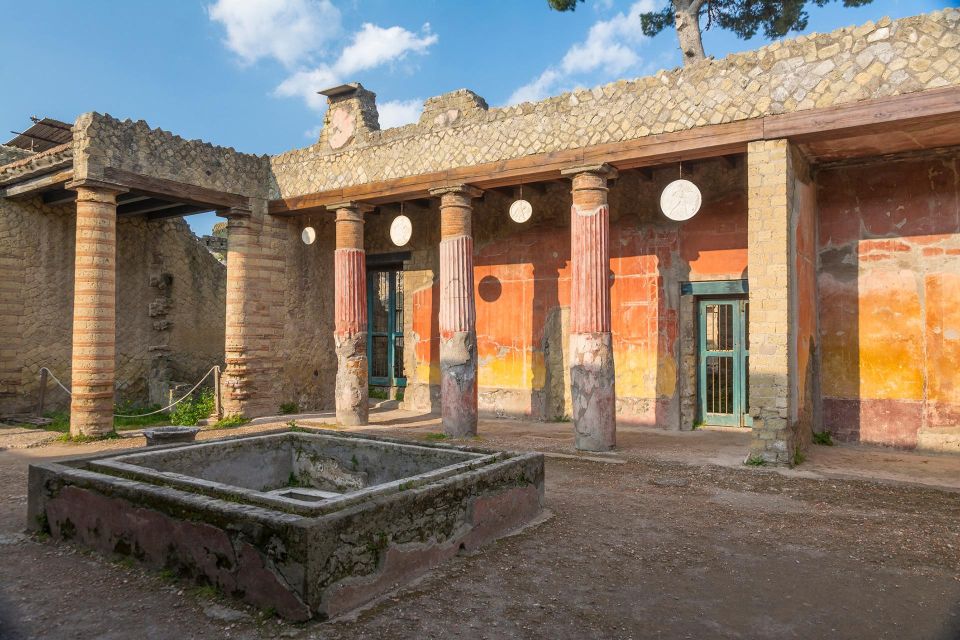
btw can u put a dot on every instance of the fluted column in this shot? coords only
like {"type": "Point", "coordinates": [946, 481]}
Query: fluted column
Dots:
{"type": "Point", "coordinates": [591, 346]}
{"type": "Point", "coordinates": [94, 310]}
{"type": "Point", "coordinates": [350, 315]}
{"type": "Point", "coordinates": [458, 315]}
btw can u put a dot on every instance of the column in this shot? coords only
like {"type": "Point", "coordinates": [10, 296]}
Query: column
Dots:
{"type": "Point", "coordinates": [258, 247]}
{"type": "Point", "coordinates": [94, 310]}
{"type": "Point", "coordinates": [591, 345]}
{"type": "Point", "coordinates": [781, 212]}
{"type": "Point", "coordinates": [458, 314]}
{"type": "Point", "coordinates": [236, 380]}
{"type": "Point", "coordinates": [350, 315]}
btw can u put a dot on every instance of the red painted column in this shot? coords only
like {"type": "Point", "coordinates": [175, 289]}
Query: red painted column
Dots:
{"type": "Point", "coordinates": [591, 346]}
{"type": "Point", "coordinates": [350, 315]}
{"type": "Point", "coordinates": [458, 315]}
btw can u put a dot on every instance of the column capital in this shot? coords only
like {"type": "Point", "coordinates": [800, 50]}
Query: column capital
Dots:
{"type": "Point", "coordinates": [458, 189]}
{"type": "Point", "coordinates": [602, 169]}
{"type": "Point", "coordinates": [360, 207]}
{"type": "Point", "coordinates": [99, 185]}
{"type": "Point", "coordinates": [235, 212]}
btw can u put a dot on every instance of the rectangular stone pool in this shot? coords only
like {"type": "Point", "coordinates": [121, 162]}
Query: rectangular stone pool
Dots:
{"type": "Point", "coordinates": [307, 522]}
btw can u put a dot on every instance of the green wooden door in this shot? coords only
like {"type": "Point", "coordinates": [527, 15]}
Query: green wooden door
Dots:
{"type": "Point", "coordinates": [385, 327]}
{"type": "Point", "coordinates": [724, 361]}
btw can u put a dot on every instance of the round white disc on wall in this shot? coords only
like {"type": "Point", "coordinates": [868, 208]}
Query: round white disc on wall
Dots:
{"type": "Point", "coordinates": [400, 230]}
{"type": "Point", "coordinates": [680, 200]}
{"type": "Point", "coordinates": [308, 235]}
{"type": "Point", "coordinates": [520, 211]}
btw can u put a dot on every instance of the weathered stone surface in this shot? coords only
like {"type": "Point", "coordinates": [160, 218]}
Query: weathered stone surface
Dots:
{"type": "Point", "coordinates": [420, 506]}
{"type": "Point", "coordinates": [593, 392]}
{"type": "Point", "coordinates": [36, 303]}
{"type": "Point", "coordinates": [819, 70]}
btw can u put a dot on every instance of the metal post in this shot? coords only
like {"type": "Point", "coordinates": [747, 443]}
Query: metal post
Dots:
{"type": "Point", "coordinates": [217, 407]}
{"type": "Point", "coordinates": [43, 392]}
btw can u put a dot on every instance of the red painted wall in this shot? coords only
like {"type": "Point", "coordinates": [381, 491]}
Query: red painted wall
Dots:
{"type": "Point", "coordinates": [889, 287]}
{"type": "Point", "coordinates": [522, 281]}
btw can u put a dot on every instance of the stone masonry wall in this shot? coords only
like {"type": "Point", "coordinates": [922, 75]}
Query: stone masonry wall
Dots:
{"type": "Point", "coordinates": [36, 303]}
{"type": "Point", "coordinates": [309, 362]}
{"type": "Point", "coordinates": [819, 70]}
{"type": "Point", "coordinates": [101, 141]}
{"type": "Point", "coordinates": [11, 154]}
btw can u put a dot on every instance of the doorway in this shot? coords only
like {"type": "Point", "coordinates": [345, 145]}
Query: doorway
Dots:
{"type": "Point", "coordinates": [723, 378]}
{"type": "Point", "coordinates": [385, 327]}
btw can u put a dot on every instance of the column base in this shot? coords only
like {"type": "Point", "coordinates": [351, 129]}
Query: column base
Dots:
{"type": "Point", "coordinates": [592, 390]}
{"type": "Point", "coordinates": [91, 414]}
{"type": "Point", "coordinates": [458, 384]}
{"type": "Point", "coordinates": [352, 390]}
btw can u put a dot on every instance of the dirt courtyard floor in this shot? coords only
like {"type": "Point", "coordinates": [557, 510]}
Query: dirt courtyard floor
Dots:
{"type": "Point", "coordinates": [670, 537]}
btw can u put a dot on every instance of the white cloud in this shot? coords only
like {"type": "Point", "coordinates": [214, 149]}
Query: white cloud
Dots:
{"type": "Point", "coordinates": [607, 51]}
{"type": "Point", "coordinates": [396, 113]}
{"type": "Point", "coordinates": [370, 47]}
{"type": "Point", "coordinates": [286, 30]}
{"type": "Point", "coordinates": [373, 46]}
{"type": "Point", "coordinates": [296, 32]}
{"type": "Point", "coordinates": [305, 83]}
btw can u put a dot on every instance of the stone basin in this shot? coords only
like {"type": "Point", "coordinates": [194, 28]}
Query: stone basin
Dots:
{"type": "Point", "coordinates": [310, 523]}
{"type": "Point", "coordinates": [170, 435]}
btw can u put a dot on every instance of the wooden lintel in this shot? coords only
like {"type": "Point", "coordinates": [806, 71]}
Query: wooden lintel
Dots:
{"type": "Point", "coordinates": [174, 191]}
{"type": "Point", "coordinates": [865, 117]}
{"type": "Point", "coordinates": [147, 205]}
{"type": "Point", "coordinates": [33, 186]}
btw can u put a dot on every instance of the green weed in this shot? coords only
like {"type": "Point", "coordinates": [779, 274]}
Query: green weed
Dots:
{"type": "Point", "coordinates": [823, 437]}
{"type": "Point", "coordinates": [197, 407]}
{"type": "Point", "coordinates": [755, 461]}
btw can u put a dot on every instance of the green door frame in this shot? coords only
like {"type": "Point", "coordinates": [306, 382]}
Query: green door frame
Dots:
{"type": "Point", "coordinates": [392, 332]}
{"type": "Point", "coordinates": [739, 354]}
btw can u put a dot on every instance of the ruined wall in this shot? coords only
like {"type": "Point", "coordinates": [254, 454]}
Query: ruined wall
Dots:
{"type": "Point", "coordinates": [12, 154]}
{"type": "Point", "coordinates": [814, 71]}
{"type": "Point", "coordinates": [102, 141]}
{"type": "Point", "coordinates": [522, 280]}
{"type": "Point", "coordinates": [181, 337]}
{"type": "Point", "coordinates": [309, 360]}
{"type": "Point", "coordinates": [889, 279]}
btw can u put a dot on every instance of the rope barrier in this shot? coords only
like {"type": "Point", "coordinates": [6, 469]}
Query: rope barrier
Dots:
{"type": "Point", "coordinates": [142, 415]}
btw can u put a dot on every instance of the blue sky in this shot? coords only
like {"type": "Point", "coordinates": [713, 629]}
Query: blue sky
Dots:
{"type": "Point", "coordinates": [243, 73]}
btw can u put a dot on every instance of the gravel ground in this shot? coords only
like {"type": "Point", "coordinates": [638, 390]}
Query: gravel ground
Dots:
{"type": "Point", "coordinates": [647, 547]}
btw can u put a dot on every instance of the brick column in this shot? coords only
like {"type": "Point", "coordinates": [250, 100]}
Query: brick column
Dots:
{"type": "Point", "coordinates": [591, 345]}
{"type": "Point", "coordinates": [772, 174]}
{"type": "Point", "coordinates": [458, 314]}
{"type": "Point", "coordinates": [350, 315]}
{"type": "Point", "coordinates": [257, 248]}
{"type": "Point", "coordinates": [94, 310]}
{"type": "Point", "coordinates": [241, 242]}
